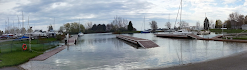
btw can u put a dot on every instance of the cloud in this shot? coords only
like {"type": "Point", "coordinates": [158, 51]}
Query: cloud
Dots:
{"type": "Point", "coordinates": [43, 12]}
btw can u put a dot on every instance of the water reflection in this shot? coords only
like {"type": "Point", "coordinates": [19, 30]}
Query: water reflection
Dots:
{"type": "Point", "coordinates": [104, 51]}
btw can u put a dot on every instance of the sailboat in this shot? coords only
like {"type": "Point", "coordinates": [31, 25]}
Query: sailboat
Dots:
{"type": "Point", "coordinates": [80, 33]}
{"type": "Point", "coordinates": [145, 31]}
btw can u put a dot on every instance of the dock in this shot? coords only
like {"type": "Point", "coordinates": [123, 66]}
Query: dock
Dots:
{"type": "Point", "coordinates": [139, 41]}
{"type": "Point", "coordinates": [54, 51]}
{"type": "Point", "coordinates": [193, 36]}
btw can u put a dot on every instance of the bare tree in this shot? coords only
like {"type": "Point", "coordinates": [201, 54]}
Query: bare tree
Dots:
{"type": "Point", "coordinates": [198, 25]}
{"type": "Point", "coordinates": [183, 24]}
{"type": "Point", "coordinates": [23, 30]}
{"type": "Point", "coordinates": [89, 25]}
{"type": "Point", "coordinates": [211, 22]}
{"type": "Point", "coordinates": [29, 30]}
{"type": "Point", "coordinates": [153, 25]}
{"type": "Point", "coordinates": [119, 22]}
{"type": "Point", "coordinates": [237, 20]}
{"type": "Point", "coordinates": [168, 25]}
{"type": "Point", "coordinates": [61, 29]}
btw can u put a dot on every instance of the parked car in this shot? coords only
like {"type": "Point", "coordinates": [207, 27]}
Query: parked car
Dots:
{"type": "Point", "coordinates": [3, 37]}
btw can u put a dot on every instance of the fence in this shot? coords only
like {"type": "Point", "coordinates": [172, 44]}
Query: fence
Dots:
{"type": "Point", "coordinates": [16, 45]}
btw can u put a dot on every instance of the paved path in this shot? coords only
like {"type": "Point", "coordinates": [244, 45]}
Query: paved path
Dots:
{"type": "Point", "coordinates": [6, 40]}
{"type": "Point", "coordinates": [10, 68]}
{"type": "Point", "coordinates": [233, 62]}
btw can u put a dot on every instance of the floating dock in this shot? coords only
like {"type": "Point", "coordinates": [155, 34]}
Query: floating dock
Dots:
{"type": "Point", "coordinates": [189, 36]}
{"type": "Point", "coordinates": [193, 36]}
{"type": "Point", "coordinates": [139, 41]}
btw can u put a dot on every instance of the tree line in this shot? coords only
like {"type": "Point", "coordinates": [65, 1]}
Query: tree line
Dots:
{"type": "Point", "coordinates": [234, 21]}
{"type": "Point", "coordinates": [118, 24]}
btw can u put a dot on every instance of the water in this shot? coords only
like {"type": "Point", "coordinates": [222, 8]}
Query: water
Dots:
{"type": "Point", "coordinates": [104, 51]}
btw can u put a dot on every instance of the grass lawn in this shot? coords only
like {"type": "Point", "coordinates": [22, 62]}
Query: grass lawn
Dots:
{"type": "Point", "coordinates": [17, 55]}
{"type": "Point", "coordinates": [227, 30]}
{"type": "Point", "coordinates": [16, 58]}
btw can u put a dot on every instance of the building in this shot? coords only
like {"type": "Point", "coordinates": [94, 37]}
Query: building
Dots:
{"type": "Point", "coordinates": [244, 27]}
{"type": "Point", "coordinates": [206, 24]}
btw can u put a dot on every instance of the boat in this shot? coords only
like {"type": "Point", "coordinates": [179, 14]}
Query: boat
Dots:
{"type": "Point", "coordinates": [145, 31]}
{"type": "Point", "coordinates": [182, 31]}
{"type": "Point", "coordinates": [204, 32]}
{"type": "Point", "coordinates": [80, 34]}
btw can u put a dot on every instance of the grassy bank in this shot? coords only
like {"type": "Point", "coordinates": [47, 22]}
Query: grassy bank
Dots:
{"type": "Point", "coordinates": [16, 58]}
{"type": "Point", "coordinates": [12, 53]}
{"type": "Point", "coordinates": [226, 30]}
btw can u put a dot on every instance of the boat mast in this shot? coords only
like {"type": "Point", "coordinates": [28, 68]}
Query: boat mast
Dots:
{"type": "Point", "coordinates": [79, 24]}
{"type": "Point", "coordinates": [144, 23]}
{"type": "Point", "coordinates": [181, 12]}
{"type": "Point", "coordinates": [5, 26]}
{"type": "Point", "coordinates": [22, 20]}
{"type": "Point", "coordinates": [8, 25]}
{"type": "Point", "coordinates": [18, 23]}
{"type": "Point", "coordinates": [54, 25]}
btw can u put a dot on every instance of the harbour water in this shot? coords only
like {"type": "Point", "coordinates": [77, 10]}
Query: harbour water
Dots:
{"type": "Point", "coordinates": [105, 51]}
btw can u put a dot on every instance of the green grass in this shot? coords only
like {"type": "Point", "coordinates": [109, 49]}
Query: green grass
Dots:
{"type": "Point", "coordinates": [16, 58]}
{"type": "Point", "coordinates": [227, 30]}
{"type": "Point", "coordinates": [240, 38]}
{"type": "Point", "coordinates": [36, 41]}
{"type": "Point", "coordinates": [15, 55]}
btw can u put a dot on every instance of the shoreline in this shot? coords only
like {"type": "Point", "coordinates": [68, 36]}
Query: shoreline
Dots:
{"type": "Point", "coordinates": [236, 61]}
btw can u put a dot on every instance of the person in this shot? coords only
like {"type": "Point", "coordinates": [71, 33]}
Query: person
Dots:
{"type": "Point", "coordinates": [67, 39]}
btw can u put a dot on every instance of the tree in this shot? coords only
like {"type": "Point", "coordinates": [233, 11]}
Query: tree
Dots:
{"type": "Point", "coordinates": [82, 28]}
{"type": "Point", "coordinates": [1, 32]}
{"type": "Point", "coordinates": [211, 24]}
{"type": "Point", "coordinates": [67, 27]}
{"type": "Point", "coordinates": [153, 25]}
{"type": "Point", "coordinates": [61, 29]}
{"type": "Point", "coordinates": [50, 28]}
{"type": "Point", "coordinates": [29, 30]}
{"type": "Point", "coordinates": [245, 20]}
{"type": "Point", "coordinates": [130, 26]}
{"type": "Point", "coordinates": [119, 23]}
{"type": "Point", "coordinates": [168, 25]}
{"type": "Point", "coordinates": [23, 30]}
{"type": "Point", "coordinates": [89, 25]}
{"type": "Point", "coordinates": [73, 27]}
{"type": "Point", "coordinates": [198, 25]}
{"type": "Point", "coordinates": [236, 19]}
{"type": "Point", "coordinates": [228, 24]}
{"type": "Point", "coordinates": [206, 24]}
{"type": "Point", "coordinates": [218, 24]}
{"type": "Point", "coordinates": [183, 24]}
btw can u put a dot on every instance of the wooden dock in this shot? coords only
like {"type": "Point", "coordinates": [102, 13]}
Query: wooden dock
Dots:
{"type": "Point", "coordinates": [172, 35]}
{"type": "Point", "coordinates": [139, 41]}
{"type": "Point", "coordinates": [193, 36]}
{"type": "Point", "coordinates": [54, 51]}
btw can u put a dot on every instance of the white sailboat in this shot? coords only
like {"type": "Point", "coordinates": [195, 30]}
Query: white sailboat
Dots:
{"type": "Point", "coordinates": [80, 33]}
{"type": "Point", "coordinates": [145, 31]}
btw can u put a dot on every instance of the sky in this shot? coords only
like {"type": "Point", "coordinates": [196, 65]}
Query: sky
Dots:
{"type": "Point", "coordinates": [42, 13]}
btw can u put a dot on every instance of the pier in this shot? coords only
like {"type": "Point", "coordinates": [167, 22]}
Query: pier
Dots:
{"type": "Point", "coordinates": [193, 36]}
{"type": "Point", "coordinates": [54, 51]}
{"type": "Point", "coordinates": [139, 41]}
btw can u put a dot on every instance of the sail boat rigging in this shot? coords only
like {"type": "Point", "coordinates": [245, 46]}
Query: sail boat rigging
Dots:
{"type": "Point", "coordinates": [145, 31]}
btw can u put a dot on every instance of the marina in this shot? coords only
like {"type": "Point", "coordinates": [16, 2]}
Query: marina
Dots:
{"type": "Point", "coordinates": [105, 51]}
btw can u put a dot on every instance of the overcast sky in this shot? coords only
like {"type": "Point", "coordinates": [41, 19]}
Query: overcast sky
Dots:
{"type": "Point", "coordinates": [42, 12]}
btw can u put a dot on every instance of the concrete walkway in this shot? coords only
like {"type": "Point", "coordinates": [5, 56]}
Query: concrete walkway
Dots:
{"type": "Point", "coordinates": [233, 62]}
{"type": "Point", "coordinates": [10, 68]}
